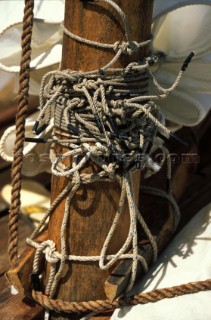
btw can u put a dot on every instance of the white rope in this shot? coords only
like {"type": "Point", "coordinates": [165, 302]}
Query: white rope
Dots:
{"type": "Point", "coordinates": [108, 116]}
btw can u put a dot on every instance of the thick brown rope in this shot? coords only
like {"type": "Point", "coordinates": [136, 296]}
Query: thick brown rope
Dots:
{"type": "Point", "coordinates": [20, 129]}
{"type": "Point", "coordinates": [104, 305]}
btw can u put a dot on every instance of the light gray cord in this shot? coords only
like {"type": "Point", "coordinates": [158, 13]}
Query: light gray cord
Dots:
{"type": "Point", "coordinates": [107, 116]}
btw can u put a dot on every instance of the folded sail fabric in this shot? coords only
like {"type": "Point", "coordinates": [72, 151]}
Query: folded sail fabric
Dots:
{"type": "Point", "coordinates": [176, 34]}
{"type": "Point", "coordinates": [46, 45]}
{"type": "Point", "coordinates": [35, 199]}
{"type": "Point", "coordinates": [187, 259]}
{"type": "Point", "coordinates": [162, 7]}
{"type": "Point", "coordinates": [46, 41]}
{"type": "Point", "coordinates": [12, 12]}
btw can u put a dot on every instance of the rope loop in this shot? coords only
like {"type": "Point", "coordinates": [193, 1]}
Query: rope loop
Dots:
{"type": "Point", "coordinates": [127, 47]}
{"type": "Point", "coordinates": [48, 248]}
{"type": "Point", "coordinates": [86, 83]}
{"type": "Point", "coordinates": [49, 251]}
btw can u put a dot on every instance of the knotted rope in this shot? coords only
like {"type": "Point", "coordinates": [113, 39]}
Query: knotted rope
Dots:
{"type": "Point", "coordinates": [107, 115]}
{"type": "Point", "coordinates": [112, 121]}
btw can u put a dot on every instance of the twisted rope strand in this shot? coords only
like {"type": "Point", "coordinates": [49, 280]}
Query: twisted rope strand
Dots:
{"type": "Point", "coordinates": [104, 305]}
{"type": "Point", "coordinates": [20, 129]}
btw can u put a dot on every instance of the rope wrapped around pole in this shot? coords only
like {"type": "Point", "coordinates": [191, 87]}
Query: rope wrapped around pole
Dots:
{"type": "Point", "coordinates": [42, 299]}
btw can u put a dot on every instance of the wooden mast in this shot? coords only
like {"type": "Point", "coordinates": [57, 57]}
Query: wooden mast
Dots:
{"type": "Point", "coordinates": [93, 207]}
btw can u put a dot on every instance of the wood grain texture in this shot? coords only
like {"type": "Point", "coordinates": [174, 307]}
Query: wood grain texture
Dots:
{"type": "Point", "coordinates": [19, 307]}
{"type": "Point", "coordinates": [19, 274]}
{"type": "Point", "coordinates": [5, 290]}
{"type": "Point", "coordinates": [94, 206]}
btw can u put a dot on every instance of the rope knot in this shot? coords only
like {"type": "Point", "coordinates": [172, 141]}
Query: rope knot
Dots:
{"type": "Point", "coordinates": [126, 47]}
{"type": "Point", "coordinates": [76, 101]}
{"type": "Point", "coordinates": [116, 104]}
{"type": "Point", "coordinates": [101, 148]}
{"type": "Point", "coordinates": [87, 83]}
{"type": "Point", "coordinates": [49, 248]}
{"type": "Point", "coordinates": [110, 169]}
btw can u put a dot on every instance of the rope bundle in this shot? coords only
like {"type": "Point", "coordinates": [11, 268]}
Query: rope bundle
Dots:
{"type": "Point", "coordinates": [101, 111]}
{"type": "Point", "coordinates": [108, 118]}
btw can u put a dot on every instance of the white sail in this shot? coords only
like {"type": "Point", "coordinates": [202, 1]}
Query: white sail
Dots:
{"type": "Point", "coordinates": [186, 259]}
{"type": "Point", "coordinates": [179, 28]}
{"type": "Point", "coordinates": [46, 41]}
{"type": "Point", "coordinates": [162, 7]}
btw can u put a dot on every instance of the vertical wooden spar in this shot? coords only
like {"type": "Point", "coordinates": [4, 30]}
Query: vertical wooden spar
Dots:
{"type": "Point", "coordinates": [94, 206]}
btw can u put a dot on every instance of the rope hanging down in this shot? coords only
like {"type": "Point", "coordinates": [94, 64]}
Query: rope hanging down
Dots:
{"type": "Point", "coordinates": [108, 118]}
{"type": "Point", "coordinates": [24, 78]}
